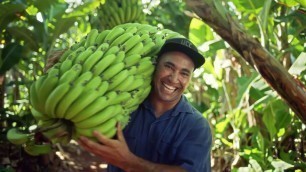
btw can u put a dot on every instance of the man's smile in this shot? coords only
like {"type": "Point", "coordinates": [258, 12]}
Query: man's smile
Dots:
{"type": "Point", "coordinates": [169, 88]}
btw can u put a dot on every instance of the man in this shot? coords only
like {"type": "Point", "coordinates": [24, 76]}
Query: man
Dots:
{"type": "Point", "coordinates": [165, 134]}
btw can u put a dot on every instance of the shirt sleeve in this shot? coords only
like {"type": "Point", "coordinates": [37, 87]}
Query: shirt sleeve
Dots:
{"type": "Point", "coordinates": [194, 152]}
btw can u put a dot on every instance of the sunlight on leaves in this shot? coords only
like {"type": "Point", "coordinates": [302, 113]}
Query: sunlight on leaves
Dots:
{"type": "Point", "coordinates": [199, 32]}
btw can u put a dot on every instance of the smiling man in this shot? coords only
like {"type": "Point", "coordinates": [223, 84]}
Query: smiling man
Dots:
{"type": "Point", "coordinates": [165, 134]}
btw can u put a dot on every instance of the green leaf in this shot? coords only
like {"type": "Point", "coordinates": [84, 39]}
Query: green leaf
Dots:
{"type": "Point", "coordinates": [199, 32]}
{"type": "Point", "coordinates": [222, 125]}
{"type": "Point", "coordinates": [282, 115]}
{"type": "Point", "coordinates": [8, 13]}
{"type": "Point", "coordinates": [281, 165]}
{"type": "Point", "coordinates": [264, 14]}
{"type": "Point", "coordinates": [302, 2]}
{"type": "Point", "coordinates": [83, 9]}
{"type": "Point", "coordinates": [45, 5]}
{"type": "Point", "coordinates": [289, 3]}
{"type": "Point", "coordinates": [244, 85]}
{"type": "Point", "coordinates": [248, 5]}
{"type": "Point", "coordinates": [269, 114]}
{"type": "Point", "coordinates": [260, 141]}
{"type": "Point", "coordinates": [62, 26]}
{"type": "Point", "coordinates": [23, 33]}
{"type": "Point", "coordinates": [299, 65]}
{"type": "Point", "coordinates": [32, 10]}
{"type": "Point", "coordinates": [11, 54]}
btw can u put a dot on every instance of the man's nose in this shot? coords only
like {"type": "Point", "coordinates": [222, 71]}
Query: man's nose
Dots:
{"type": "Point", "coordinates": [174, 77]}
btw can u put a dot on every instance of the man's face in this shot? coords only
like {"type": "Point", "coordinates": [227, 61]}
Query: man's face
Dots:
{"type": "Point", "coordinates": [172, 76]}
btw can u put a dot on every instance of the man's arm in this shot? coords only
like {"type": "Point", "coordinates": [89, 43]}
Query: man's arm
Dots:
{"type": "Point", "coordinates": [117, 153]}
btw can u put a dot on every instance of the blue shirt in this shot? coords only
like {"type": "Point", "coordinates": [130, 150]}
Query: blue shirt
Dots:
{"type": "Point", "coordinates": [181, 136]}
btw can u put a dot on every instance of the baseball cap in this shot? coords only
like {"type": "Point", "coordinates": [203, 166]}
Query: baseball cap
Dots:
{"type": "Point", "coordinates": [185, 46]}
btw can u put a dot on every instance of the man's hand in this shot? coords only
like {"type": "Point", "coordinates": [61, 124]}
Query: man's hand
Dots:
{"type": "Point", "coordinates": [115, 152]}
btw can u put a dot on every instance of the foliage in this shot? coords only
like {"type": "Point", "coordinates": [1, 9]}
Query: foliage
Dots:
{"type": "Point", "coordinates": [253, 129]}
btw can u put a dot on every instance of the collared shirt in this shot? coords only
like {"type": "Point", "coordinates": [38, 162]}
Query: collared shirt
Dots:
{"type": "Point", "coordinates": [181, 136]}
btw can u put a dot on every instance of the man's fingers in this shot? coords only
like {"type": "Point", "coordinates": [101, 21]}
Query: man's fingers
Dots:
{"type": "Point", "coordinates": [120, 133]}
{"type": "Point", "coordinates": [104, 140]}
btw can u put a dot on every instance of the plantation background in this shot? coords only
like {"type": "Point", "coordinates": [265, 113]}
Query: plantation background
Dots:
{"type": "Point", "coordinates": [255, 125]}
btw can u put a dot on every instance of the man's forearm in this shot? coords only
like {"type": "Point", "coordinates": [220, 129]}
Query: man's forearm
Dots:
{"type": "Point", "coordinates": [137, 164]}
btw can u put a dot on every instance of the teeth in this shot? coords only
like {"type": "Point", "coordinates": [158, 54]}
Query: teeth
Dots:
{"type": "Point", "coordinates": [169, 87]}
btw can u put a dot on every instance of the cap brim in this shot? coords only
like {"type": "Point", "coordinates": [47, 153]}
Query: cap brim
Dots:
{"type": "Point", "coordinates": [196, 57]}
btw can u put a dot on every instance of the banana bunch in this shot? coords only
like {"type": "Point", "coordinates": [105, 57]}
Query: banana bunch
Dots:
{"type": "Point", "coordinates": [97, 82]}
{"type": "Point", "coordinates": [116, 12]}
{"type": "Point", "coordinates": [28, 142]}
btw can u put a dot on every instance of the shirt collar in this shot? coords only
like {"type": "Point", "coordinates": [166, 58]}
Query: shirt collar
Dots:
{"type": "Point", "coordinates": [182, 106]}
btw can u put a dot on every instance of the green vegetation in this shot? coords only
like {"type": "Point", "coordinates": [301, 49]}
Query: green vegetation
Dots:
{"type": "Point", "coordinates": [254, 128]}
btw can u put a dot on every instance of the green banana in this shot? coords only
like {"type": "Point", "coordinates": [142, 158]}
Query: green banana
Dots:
{"type": "Point", "coordinates": [101, 37]}
{"type": "Point", "coordinates": [56, 95]}
{"type": "Point", "coordinates": [64, 56]}
{"type": "Point", "coordinates": [77, 45]}
{"type": "Point", "coordinates": [115, 14]}
{"type": "Point", "coordinates": [111, 50]}
{"type": "Point", "coordinates": [134, 9]}
{"type": "Point", "coordinates": [144, 65]}
{"type": "Point", "coordinates": [121, 14]}
{"type": "Point", "coordinates": [128, 12]}
{"type": "Point", "coordinates": [16, 137]}
{"type": "Point", "coordinates": [112, 71]}
{"type": "Point", "coordinates": [84, 55]}
{"type": "Point", "coordinates": [71, 74]}
{"type": "Point", "coordinates": [121, 98]}
{"type": "Point", "coordinates": [131, 60]}
{"type": "Point", "coordinates": [101, 128]}
{"type": "Point", "coordinates": [145, 93]}
{"type": "Point", "coordinates": [138, 82]}
{"type": "Point", "coordinates": [145, 38]}
{"type": "Point", "coordinates": [91, 38]}
{"type": "Point", "coordinates": [147, 48]}
{"type": "Point", "coordinates": [84, 78]}
{"type": "Point", "coordinates": [94, 83]}
{"type": "Point", "coordinates": [103, 64]}
{"type": "Point", "coordinates": [33, 96]}
{"type": "Point", "coordinates": [136, 49]}
{"type": "Point", "coordinates": [48, 86]}
{"type": "Point", "coordinates": [85, 99]}
{"type": "Point", "coordinates": [131, 29]}
{"type": "Point", "coordinates": [92, 60]}
{"type": "Point", "coordinates": [130, 43]}
{"type": "Point", "coordinates": [103, 47]}
{"type": "Point", "coordinates": [121, 39]}
{"type": "Point", "coordinates": [100, 117]}
{"type": "Point", "coordinates": [125, 83]}
{"type": "Point", "coordinates": [34, 149]}
{"type": "Point", "coordinates": [150, 28]}
{"type": "Point", "coordinates": [46, 124]}
{"type": "Point", "coordinates": [68, 99]}
{"type": "Point", "coordinates": [117, 79]}
{"type": "Point", "coordinates": [60, 133]}
{"type": "Point", "coordinates": [111, 132]}
{"type": "Point", "coordinates": [113, 34]}
{"type": "Point", "coordinates": [132, 102]}
{"type": "Point", "coordinates": [38, 115]}
{"type": "Point", "coordinates": [73, 55]}
{"type": "Point", "coordinates": [65, 66]}
{"type": "Point", "coordinates": [99, 104]}
{"type": "Point", "coordinates": [132, 70]}
{"type": "Point", "coordinates": [119, 57]}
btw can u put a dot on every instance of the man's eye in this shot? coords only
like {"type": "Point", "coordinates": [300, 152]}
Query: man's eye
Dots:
{"type": "Point", "coordinates": [167, 66]}
{"type": "Point", "coordinates": [185, 74]}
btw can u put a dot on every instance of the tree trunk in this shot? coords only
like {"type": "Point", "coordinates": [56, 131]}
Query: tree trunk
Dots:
{"type": "Point", "coordinates": [290, 89]}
